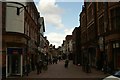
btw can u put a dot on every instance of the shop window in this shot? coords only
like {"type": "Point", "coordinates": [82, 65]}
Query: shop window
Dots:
{"type": "Point", "coordinates": [113, 45]}
{"type": "Point", "coordinates": [116, 45]}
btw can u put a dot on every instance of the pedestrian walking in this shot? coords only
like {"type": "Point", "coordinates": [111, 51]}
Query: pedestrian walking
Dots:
{"type": "Point", "coordinates": [39, 66]}
{"type": "Point", "coordinates": [105, 68]}
{"type": "Point", "coordinates": [50, 61]}
{"type": "Point", "coordinates": [53, 60]}
{"type": "Point", "coordinates": [59, 58]}
{"type": "Point", "coordinates": [56, 60]}
{"type": "Point", "coordinates": [45, 67]}
{"type": "Point", "coordinates": [27, 69]}
{"type": "Point", "coordinates": [88, 68]}
{"type": "Point", "coordinates": [66, 63]}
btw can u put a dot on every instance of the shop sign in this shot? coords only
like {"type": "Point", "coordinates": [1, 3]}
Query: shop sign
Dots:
{"type": "Point", "coordinates": [14, 50]}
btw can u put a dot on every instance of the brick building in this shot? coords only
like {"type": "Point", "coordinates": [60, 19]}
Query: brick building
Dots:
{"type": "Point", "coordinates": [88, 33]}
{"type": "Point", "coordinates": [76, 46]}
{"type": "Point", "coordinates": [83, 26]}
{"type": "Point", "coordinates": [112, 34]}
{"type": "Point", "coordinates": [100, 29]}
{"type": "Point", "coordinates": [69, 46]}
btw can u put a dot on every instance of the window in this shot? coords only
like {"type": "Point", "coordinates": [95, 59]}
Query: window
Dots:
{"type": "Point", "coordinates": [90, 13]}
{"type": "Point", "coordinates": [83, 37]}
{"type": "Point", "coordinates": [25, 26]}
{"type": "Point", "coordinates": [91, 32]}
{"type": "Point", "coordinates": [115, 19]}
{"type": "Point", "coordinates": [87, 3]}
{"type": "Point", "coordinates": [100, 5]}
{"type": "Point", "coordinates": [101, 25]}
{"type": "Point", "coordinates": [83, 21]}
{"type": "Point", "coordinates": [116, 45]}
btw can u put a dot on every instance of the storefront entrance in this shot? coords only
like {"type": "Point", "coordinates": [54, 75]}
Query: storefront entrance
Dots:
{"type": "Point", "coordinates": [116, 55]}
{"type": "Point", "coordinates": [13, 62]}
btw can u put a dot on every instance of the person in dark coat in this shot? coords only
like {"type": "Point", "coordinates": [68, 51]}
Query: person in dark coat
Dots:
{"type": "Point", "coordinates": [50, 61]}
{"type": "Point", "coordinates": [66, 63]}
{"type": "Point", "coordinates": [39, 65]}
{"type": "Point", "coordinates": [56, 60]}
{"type": "Point", "coordinates": [28, 69]}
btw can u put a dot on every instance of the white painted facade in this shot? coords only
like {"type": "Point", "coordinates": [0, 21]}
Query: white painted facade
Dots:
{"type": "Point", "coordinates": [42, 41]}
{"type": "Point", "coordinates": [64, 47]}
{"type": "Point", "coordinates": [14, 22]}
{"type": "Point", "coordinates": [41, 21]}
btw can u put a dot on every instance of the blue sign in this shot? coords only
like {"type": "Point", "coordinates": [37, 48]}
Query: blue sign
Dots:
{"type": "Point", "coordinates": [14, 50]}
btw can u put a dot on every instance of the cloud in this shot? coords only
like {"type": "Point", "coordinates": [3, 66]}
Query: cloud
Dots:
{"type": "Point", "coordinates": [55, 38]}
{"type": "Point", "coordinates": [68, 31]}
{"type": "Point", "coordinates": [54, 19]}
{"type": "Point", "coordinates": [49, 7]}
{"type": "Point", "coordinates": [51, 12]}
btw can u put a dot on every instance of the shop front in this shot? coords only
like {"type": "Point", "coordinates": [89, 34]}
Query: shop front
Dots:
{"type": "Point", "coordinates": [14, 61]}
{"type": "Point", "coordinates": [113, 51]}
{"type": "Point", "coordinates": [116, 55]}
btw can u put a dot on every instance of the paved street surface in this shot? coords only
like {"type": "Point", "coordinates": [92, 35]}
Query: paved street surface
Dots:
{"type": "Point", "coordinates": [0, 65]}
{"type": "Point", "coordinates": [73, 71]}
{"type": "Point", "coordinates": [57, 71]}
{"type": "Point", "coordinates": [0, 72]}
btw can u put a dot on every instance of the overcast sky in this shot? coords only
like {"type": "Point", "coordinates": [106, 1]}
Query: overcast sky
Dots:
{"type": "Point", "coordinates": [61, 17]}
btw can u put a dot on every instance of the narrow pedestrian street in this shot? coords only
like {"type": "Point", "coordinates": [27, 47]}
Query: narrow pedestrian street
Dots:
{"type": "Point", "coordinates": [83, 35]}
{"type": "Point", "coordinates": [73, 71]}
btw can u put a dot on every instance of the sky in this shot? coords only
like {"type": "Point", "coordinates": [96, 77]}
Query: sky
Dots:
{"type": "Point", "coordinates": [61, 17]}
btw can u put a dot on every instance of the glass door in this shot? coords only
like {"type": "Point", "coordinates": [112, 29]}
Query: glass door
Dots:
{"type": "Point", "coordinates": [16, 64]}
{"type": "Point", "coordinates": [9, 64]}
